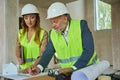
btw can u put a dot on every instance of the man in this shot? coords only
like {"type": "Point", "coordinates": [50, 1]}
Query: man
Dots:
{"type": "Point", "coordinates": [70, 39]}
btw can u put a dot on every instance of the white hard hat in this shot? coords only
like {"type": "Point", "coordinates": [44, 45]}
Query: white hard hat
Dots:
{"type": "Point", "coordinates": [56, 9]}
{"type": "Point", "coordinates": [29, 9]}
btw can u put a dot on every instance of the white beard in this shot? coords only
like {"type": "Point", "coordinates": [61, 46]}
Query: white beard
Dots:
{"type": "Point", "coordinates": [61, 29]}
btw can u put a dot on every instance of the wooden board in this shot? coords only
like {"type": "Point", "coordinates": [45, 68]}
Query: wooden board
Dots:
{"type": "Point", "coordinates": [45, 77]}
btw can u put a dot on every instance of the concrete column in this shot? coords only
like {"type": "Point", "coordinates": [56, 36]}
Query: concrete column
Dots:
{"type": "Point", "coordinates": [8, 30]}
{"type": "Point", "coordinates": [2, 32]}
{"type": "Point", "coordinates": [116, 35]}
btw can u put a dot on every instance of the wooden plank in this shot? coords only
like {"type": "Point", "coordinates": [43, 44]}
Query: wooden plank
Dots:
{"type": "Point", "coordinates": [45, 77]}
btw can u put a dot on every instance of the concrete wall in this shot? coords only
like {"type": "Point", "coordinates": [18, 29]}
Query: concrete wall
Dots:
{"type": "Point", "coordinates": [11, 19]}
{"type": "Point", "coordinates": [2, 33]}
{"type": "Point", "coordinates": [102, 39]}
{"type": "Point", "coordinates": [8, 31]}
{"type": "Point", "coordinates": [77, 9]}
{"type": "Point", "coordinates": [116, 35]}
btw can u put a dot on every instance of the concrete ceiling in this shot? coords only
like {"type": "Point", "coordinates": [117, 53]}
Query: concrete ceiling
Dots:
{"type": "Point", "coordinates": [110, 1]}
{"type": "Point", "coordinates": [47, 3]}
{"type": "Point", "coordinates": [43, 3]}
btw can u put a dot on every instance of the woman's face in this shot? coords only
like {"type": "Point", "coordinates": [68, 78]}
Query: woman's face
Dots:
{"type": "Point", "coordinates": [30, 20]}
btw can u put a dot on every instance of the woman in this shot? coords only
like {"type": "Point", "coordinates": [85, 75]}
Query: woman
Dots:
{"type": "Point", "coordinates": [32, 39]}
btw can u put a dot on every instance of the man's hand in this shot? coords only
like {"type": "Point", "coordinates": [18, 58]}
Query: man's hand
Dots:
{"type": "Point", "coordinates": [65, 70]}
{"type": "Point", "coordinates": [34, 70]}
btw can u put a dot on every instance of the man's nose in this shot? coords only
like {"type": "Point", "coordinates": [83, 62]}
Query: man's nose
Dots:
{"type": "Point", "coordinates": [53, 24]}
{"type": "Point", "coordinates": [29, 19]}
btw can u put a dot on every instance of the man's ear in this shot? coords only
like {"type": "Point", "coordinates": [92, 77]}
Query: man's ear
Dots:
{"type": "Point", "coordinates": [66, 18]}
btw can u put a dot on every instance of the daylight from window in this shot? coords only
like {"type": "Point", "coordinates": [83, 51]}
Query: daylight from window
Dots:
{"type": "Point", "coordinates": [102, 15]}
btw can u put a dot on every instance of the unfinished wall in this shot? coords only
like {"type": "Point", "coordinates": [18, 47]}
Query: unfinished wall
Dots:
{"type": "Point", "coordinates": [76, 9]}
{"type": "Point", "coordinates": [8, 30]}
{"type": "Point", "coordinates": [2, 33]}
{"type": "Point", "coordinates": [116, 35]}
{"type": "Point", "coordinates": [11, 19]}
{"type": "Point", "coordinates": [102, 39]}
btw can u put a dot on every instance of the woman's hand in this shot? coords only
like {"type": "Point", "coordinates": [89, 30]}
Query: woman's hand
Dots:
{"type": "Point", "coordinates": [25, 71]}
{"type": "Point", "coordinates": [20, 61]}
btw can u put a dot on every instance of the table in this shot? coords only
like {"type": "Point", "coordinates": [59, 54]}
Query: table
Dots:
{"type": "Point", "coordinates": [20, 76]}
{"type": "Point", "coordinates": [44, 77]}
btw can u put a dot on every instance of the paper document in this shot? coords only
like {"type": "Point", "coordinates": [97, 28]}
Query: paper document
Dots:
{"type": "Point", "coordinates": [21, 76]}
{"type": "Point", "coordinates": [9, 69]}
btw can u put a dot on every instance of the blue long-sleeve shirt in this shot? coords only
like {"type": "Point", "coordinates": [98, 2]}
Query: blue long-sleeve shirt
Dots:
{"type": "Point", "coordinates": [88, 48]}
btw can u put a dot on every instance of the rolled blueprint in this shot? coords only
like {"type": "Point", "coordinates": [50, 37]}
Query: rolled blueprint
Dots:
{"type": "Point", "coordinates": [90, 72]}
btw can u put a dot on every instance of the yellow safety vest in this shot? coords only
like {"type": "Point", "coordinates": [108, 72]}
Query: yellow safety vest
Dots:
{"type": "Point", "coordinates": [31, 49]}
{"type": "Point", "coordinates": [68, 53]}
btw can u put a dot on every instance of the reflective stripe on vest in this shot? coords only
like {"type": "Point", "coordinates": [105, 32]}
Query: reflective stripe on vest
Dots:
{"type": "Point", "coordinates": [75, 59]}
{"type": "Point", "coordinates": [31, 48]}
{"type": "Point", "coordinates": [95, 59]}
{"type": "Point", "coordinates": [68, 53]}
{"type": "Point", "coordinates": [68, 60]}
{"type": "Point", "coordinates": [29, 60]}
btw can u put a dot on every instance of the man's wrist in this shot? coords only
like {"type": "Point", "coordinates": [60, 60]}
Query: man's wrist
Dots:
{"type": "Point", "coordinates": [40, 67]}
{"type": "Point", "coordinates": [74, 68]}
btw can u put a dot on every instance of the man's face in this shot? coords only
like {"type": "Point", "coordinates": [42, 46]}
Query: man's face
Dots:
{"type": "Point", "coordinates": [59, 23]}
